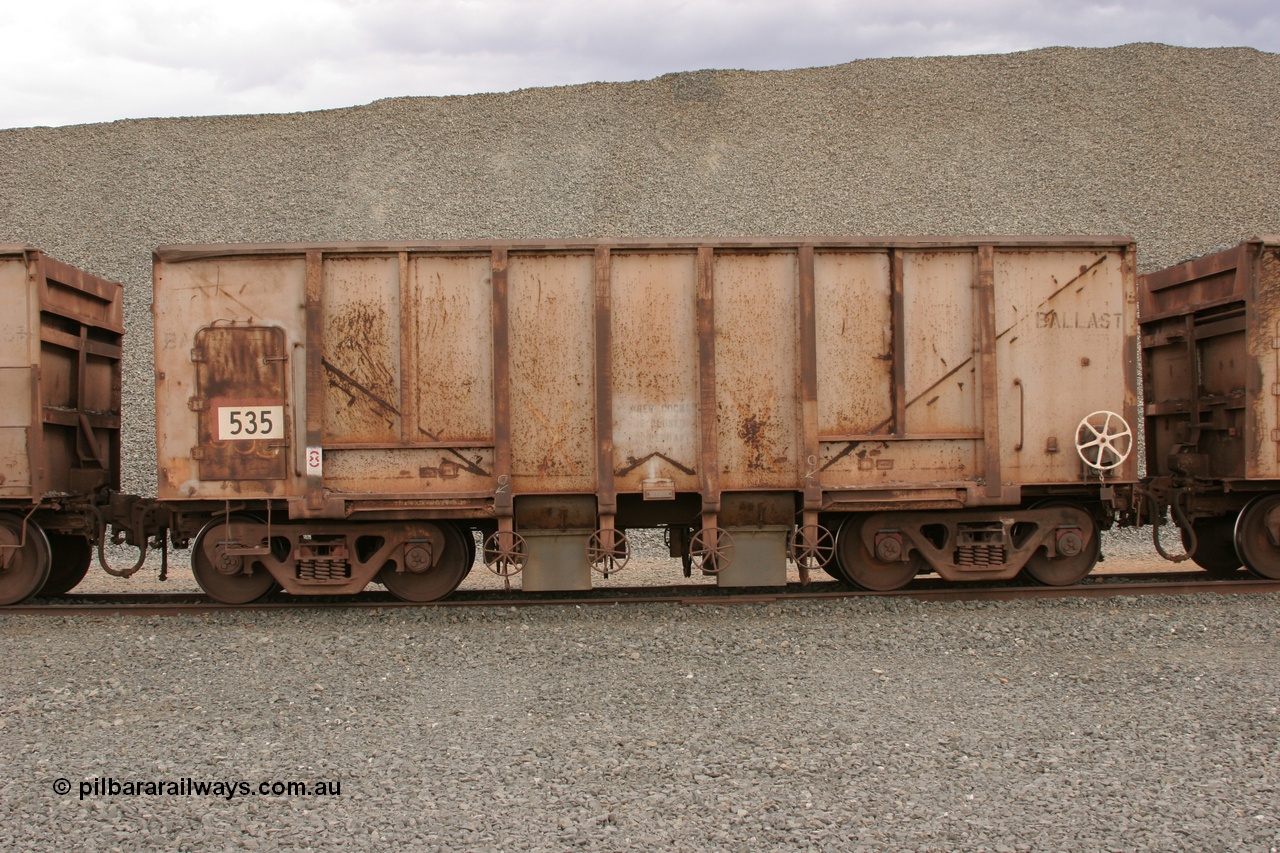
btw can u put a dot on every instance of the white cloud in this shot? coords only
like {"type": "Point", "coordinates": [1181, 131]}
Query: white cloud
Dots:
{"type": "Point", "coordinates": [76, 61]}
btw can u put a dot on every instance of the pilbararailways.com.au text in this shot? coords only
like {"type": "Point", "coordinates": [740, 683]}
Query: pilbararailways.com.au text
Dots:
{"type": "Point", "coordinates": [188, 787]}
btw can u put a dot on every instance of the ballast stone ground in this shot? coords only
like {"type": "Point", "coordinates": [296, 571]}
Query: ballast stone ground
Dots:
{"type": "Point", "coordinates": [1125, 724]}
{"type": "Point", "coordinates": [1092, 725]}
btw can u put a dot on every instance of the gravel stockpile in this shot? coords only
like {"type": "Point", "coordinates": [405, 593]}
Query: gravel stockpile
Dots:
{"type": "Point", "coordinates": [1147, 724]}
{"type": "Point", "coordinates": [1129, 724]}
{"type": "Point", "coordinates": [1177, 147]}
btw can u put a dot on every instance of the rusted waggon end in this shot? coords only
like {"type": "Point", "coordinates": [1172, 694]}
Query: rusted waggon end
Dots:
{"type": "Point", "coordinates": [331, 415]}
{"type": "Point", "coordinates": [1211, 361]}
{"type": "Point", "coordinates": [60, 349]}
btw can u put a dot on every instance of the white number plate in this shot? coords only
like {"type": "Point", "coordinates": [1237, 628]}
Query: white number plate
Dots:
{"type": "Point", "coordinates": [250, 423]}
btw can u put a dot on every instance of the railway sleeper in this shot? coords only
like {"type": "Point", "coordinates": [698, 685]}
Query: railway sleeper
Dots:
{"type": "Point", "coordinates": [1054, 544]}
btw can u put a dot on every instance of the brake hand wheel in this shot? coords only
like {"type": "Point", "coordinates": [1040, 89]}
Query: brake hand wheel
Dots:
{"type": "Point", "coordinates": [812, 546]}
{"type": "Point", "coordinates": [608, 558]}
{"type": "Point", "coordinates": [1104, 440]}
{"type": "Point", "coordinates": [505, 553]}
{"type": "Point", "coordinates": [710, 550]}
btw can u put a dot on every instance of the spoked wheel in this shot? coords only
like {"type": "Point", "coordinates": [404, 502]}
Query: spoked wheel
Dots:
{"type": "Point", "coordinates": [505, 553]}
{"type": "Point", "coordinates": [426, 579]}
{"type": "Point", "coordinates": [710, 550]}
{"type": "Point", "coordinates": [24, 562]}
{"type": "Point", "coordinates": [71, 556]}
{"type": "Point", "coordinates": [811, 547]}
{"type": "Point", "coordinates": [1257, 536]}
{"type": "Point", "coordinates": [1215, 545]}
{"type": "Point", "coordinates": [608, 552]}
{"type": "Point", "coordinates": [229, 578]}
{"type": "Point", "coordinates": [1075, 558]}
{"type": "Point", "coordinates": [862, 568]}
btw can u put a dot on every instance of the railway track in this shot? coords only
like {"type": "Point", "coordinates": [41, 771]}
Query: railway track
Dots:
{"type": "Point", "coordinates": [1096, 586]}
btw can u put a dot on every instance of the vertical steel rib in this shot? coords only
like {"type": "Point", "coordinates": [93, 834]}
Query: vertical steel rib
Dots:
{"type": "Point", "coordinates": [987, 362]}
{"type": "Point", "coordinates": [707, 413]}
{"type": "Point", "coordinates": [315, 373]}
{"type": "Point", "coordinates": [502, 502]}
{"type": "Point", "coordinates": [809, 380]}
{"type": "Point", "coordinates": [897, 314]}
{"type": "Point", "coordinates": [408, 354]}
{"type": "Point", "coordinates": [606, 494]}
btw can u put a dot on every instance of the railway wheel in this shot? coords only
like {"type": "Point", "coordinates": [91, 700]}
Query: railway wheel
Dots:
{"type": "Point", "coordinates": [228, 578]}
{"type": "Point", "coordinates": [833, 568]}
{"type": "Point", "coordinates": [1075, 559]}
{"type": "Point", "coordinates": [1215, 545]}
{"type": "Point", "coordinates": [469, 539]}
{"type": "Point", "coordinates": [422, 581]}
{"type": "Point", "coordinates": [1257, 536]}
{"type": "Point", "coordinates": [70, 558]}
{"type": "Point", "coordinates": [24, 559]}
{"type": "Point", "coordinates": [862, 568]}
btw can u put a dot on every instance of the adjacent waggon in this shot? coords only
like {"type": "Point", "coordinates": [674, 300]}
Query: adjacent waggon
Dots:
{"type": "Point", "coordinates": [334, 415]}
{"type": "Point", "coordinates": [1211, 362]}
{"type": "Point", "coordinates": [60, 348]}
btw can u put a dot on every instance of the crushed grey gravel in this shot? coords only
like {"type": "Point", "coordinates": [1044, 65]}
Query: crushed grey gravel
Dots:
{"type": "Point", "coordinates": [1123, 724]}
{"type": "Point", "coordinates": [1176, 147]}
{"type": "Point", "coordinates": [1148, 724]}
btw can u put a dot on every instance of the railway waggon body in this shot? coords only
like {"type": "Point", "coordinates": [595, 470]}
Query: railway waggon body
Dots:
{"type": "Point", "coordinates": [60, 348]}
{"type": "Point", "coordinates": [334, 415]}
{"type": "Point", "coordinates": [1211, 362]}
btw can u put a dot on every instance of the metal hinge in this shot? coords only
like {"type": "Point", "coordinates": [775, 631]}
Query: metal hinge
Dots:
{"type": "Point", "coordinates": [197, 354]}
{"type": "Point", "coordinates": [197, 453]}
{"type": "Point", "coordinates": [198, 404]}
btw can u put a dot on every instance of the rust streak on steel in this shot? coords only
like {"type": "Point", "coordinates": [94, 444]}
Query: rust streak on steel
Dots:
{"type": "Point", "coordinates": [502, 503]}
{"type": "Point", "coordinates": [707, 414]}
{"type": "Point", "coordinates": [987, 362]}
{"type": "Point", "coordinates": [315, 372]}
{"type": "Point", "coordinates": [606, 495]}
{"type": "Point", "coordinates": [191, 252]}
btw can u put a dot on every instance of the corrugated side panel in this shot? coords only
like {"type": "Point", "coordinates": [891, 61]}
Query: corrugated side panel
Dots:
{"type": "Point", "coordinates": [408, 368]}
{"type": "Point", "coordinates": [854, 321]}
{"type": "Point", "coordinates": [942, 377]}
{"type": "Point", "coordinates": [936, 438]}
{"type": "Point", "coordinates": [16, 360]}
{"type": "Point", "coordinates": [552, 311]}
{"type": "Point", "coordinates": [361, 309]}
{"type": "Point", "coordinates": [757, 370]}
{"type": "Point", "coordinates": [1263, 337]}
{"type": "Point", "coordinates": [261, 291]}
{"type": "Point", "coordinates": [655, 369]}
{"type": "Point", "coordinates": [1065, 321]}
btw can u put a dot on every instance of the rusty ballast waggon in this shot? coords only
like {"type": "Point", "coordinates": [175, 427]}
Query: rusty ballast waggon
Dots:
{"type": "Point", "coordinates": [1211, 361]}
{"type": "Point", "coordinates": [60, 350]}
{"type": "Point", "coordinates": [334, 415]}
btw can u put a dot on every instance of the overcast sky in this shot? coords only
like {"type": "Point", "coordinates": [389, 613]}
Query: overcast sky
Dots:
{"type": "Point", "coordinates": [78, 61]}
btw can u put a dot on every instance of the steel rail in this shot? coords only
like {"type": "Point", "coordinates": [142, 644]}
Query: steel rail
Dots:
{"type": "Point", "coordinates": [1098, 586]}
